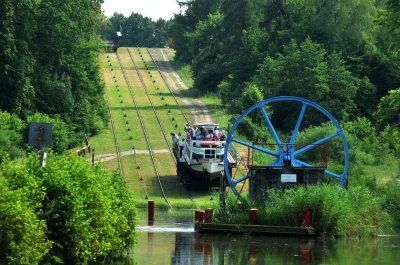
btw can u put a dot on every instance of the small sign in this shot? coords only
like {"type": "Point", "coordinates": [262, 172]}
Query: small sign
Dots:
{"type": "Point", "coordinates": [289, 178]}
{"type": "Point", "coordinates": [40, 134]}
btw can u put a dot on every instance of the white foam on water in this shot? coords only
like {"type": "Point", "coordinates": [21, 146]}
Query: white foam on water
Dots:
{"type": "Point", "coordinates": [165, 229]}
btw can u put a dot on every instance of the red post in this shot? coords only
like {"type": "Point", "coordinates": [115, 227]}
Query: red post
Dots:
{"type": "Point", "coordinates": [150, 210]}
{"type": "Point", "coordinates": [197, 216]}
{"type": "Point", "coordinates": [208, 215]}
{"type": "Point", "coordinates": [253, 216]}
{"type": "Point", "coordinates": [201, 215]}
{"type": "Point", "coordinates": [306, 219]}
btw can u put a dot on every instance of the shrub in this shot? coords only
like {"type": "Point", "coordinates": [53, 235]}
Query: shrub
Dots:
{"type": "Point", "coordinates": [11, 128]}
{"type": "Point", "coordinates": [69, 210]}
{"type": "Point", "coordinates": [352, 212]}
{"type": "Point", "coordinates": [89, 211]}
{"type": "Point", "coordinates": [22, 232]}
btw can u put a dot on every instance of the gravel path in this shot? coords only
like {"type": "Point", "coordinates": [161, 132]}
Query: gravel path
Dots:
{"type": "Point", "coordinates": [108, 157]}
{"type": "Point", "coordinates": [198, 109]}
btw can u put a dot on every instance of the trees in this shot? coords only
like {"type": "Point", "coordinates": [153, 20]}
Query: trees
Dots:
{"type": "Point", "coordinates": [17, 27]}
{"type": "Point", "coordinates": [306, 70]}
{"type": "Point", "coordinates": [66, 48]}
{"type": "Point", "coordinates": [48, 61]}
{"type": "Point", "coordinates": [195, 11]}
{"type": "Point", "coordinates": [67, 212]}
{"type": "Point", "coordinates": [11, 128]}
{"type": "Point", "coordinates": [388, 112]}
{"type": "Point", "coordinates": [137, 30]}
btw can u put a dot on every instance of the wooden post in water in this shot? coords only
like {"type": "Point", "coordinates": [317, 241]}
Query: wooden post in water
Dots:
{"type": "Point", "coordinates": [150, 210]}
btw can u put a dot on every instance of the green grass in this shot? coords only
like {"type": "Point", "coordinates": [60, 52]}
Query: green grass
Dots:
{"type": "Point", "coordinates": [137, 168]}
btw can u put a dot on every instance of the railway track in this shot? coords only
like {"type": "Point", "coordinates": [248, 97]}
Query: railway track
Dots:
{"type": "Point", "coordinates": [156, 115]}
{"type": "Point", "coordinates": [114, 133]}
{"type": "Point", "coordinates": [144, 132]}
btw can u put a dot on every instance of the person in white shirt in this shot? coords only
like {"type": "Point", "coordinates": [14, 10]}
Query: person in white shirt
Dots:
{"type": "Point", "coordinates": [216, 130]}
{"type": "Point", "coordinates": [194, 132]}
{"type": "Point", "coordinates": [181, 145]}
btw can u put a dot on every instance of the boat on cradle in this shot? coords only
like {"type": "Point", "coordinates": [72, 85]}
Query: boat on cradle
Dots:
{"type": "Point", "coordinates": [200, 156]}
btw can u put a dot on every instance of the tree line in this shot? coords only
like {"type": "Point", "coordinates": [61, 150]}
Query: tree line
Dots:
{"type": "Point", "coordinates": [342, 54]}
{"type": "Point", "coordinates": [137, 30]}
{"type": "Point", "coordinates": [48, 63]}
{"type": "Point", "coordinates": [68, 211]}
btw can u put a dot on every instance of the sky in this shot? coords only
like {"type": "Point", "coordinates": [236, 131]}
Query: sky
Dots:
{"type": "Point", "coordinates": [154, 9]}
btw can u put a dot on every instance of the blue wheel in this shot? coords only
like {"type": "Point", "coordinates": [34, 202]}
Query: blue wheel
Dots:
{"type": "Point", "coordinates": [287, 152]}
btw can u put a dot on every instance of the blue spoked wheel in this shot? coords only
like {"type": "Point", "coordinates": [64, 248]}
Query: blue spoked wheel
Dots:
{"type": "Point", "coordinates": [287, 152]}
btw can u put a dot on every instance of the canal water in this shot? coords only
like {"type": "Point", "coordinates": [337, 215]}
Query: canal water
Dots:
{"type": "Point", "coordinates": [172, 240]}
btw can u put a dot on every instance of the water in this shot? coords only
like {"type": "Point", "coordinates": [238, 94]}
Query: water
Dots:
{"type": "Point", "coordinates": [172, 240]}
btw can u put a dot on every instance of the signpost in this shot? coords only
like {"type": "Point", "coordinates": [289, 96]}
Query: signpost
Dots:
{"type": "Point", "coordinates": [40, 136]}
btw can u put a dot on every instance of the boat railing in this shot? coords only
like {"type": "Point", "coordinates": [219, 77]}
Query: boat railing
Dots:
{"type": "Point", "coordinates": [232, 151]}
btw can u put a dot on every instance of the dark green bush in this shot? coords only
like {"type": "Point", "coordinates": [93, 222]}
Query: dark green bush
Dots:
{"type": "Point", "coordinates": [352, 212]}
{"type": "Point", "coordinates": [69, 210]}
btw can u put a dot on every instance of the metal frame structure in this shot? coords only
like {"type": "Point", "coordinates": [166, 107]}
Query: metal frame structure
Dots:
{"type": "Point", "coordinates": [288, 155]}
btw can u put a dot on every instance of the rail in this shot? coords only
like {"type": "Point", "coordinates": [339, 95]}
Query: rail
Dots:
{"type": "Point", "coordinates": [114, 133]}
{"type": "Point", "coordinates": [144, 131]}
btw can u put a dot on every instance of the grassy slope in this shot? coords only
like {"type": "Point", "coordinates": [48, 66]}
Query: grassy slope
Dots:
{"type": "Point", "coordinates": [139, 166]}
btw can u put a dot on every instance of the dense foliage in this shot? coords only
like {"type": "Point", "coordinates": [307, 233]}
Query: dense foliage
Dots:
{"type": "Point", "coordinates": [341, 54]}
{"type": "Point", "coordinates": [48, 62]}
{"type": "Point", "coordinates": [136, 30]}
{"type": "Point", "coordinates": [353, 212]}
{"type": "Point", "coordinates": [65, 212]}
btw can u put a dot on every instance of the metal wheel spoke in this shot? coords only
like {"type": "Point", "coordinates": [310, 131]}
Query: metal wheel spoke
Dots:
{"type": "Point", "coordinates": [270, 126]}
{"type": "Point", "coordinates": [255, 147]}
{"type": "Point", "coordinates": [302, 163]}
{"type": "Point", "coordinates": [330, 173]}
{"type": "Point", "coordinates": [313, 145]}
{"type": "Point", "coordinates": [299, 120]}
{"type": "Point", "coordinates": [239, 180]}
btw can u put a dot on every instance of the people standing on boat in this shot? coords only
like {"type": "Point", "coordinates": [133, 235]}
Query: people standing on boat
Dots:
{"type": "Point", "coordinates": [194, 132]}
{"type": "Point", "coordinates": [208, 135]}
{"type": "Point", "coordinates": [203, 132]}
{"type": "Point", "coordinates": [198, 134]}
{"type": "Point", "coordinates": [216, 134]}
{"type": "Point", "coordinates": [215, 137]}
{"type": "Point", "coordinates": [176, 137]}
{"type": "Point", "coordinates": [222, 135]}
{"type": "Point", "coordinates": [216, 130]}
{"type": "Point", "coordinates": [181, 145]}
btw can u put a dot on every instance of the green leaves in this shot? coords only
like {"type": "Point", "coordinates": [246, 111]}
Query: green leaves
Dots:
{"type": "Point", "coordinates": [81, 212]}
{"type": "Point", "coordinates": [389, 109]}
{"type": "Point", "coordinates": [11, 128]}
{"type": "Point", "coordinates": [23, 237]}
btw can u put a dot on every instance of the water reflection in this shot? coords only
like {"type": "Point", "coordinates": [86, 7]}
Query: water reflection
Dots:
{"type": "Point", "coordinates": [171, 240]}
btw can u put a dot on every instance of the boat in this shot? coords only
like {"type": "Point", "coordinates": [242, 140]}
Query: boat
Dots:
{"type": "Point", "coordinates": [200, 157]}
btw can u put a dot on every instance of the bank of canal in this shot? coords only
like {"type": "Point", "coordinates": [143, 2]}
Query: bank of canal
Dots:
{"type": "Point", "coordinates": [172, 240]}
